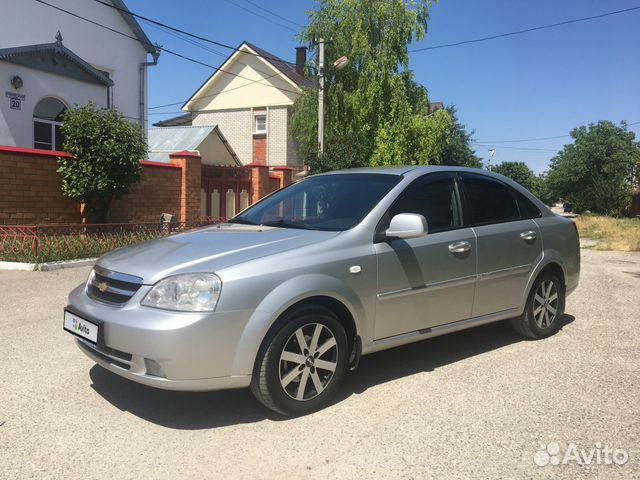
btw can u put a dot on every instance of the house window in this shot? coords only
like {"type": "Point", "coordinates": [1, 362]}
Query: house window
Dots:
{"type": "Point", "coordinates": [260, 124]}
{"type": "Point", "coordinates": [108, 75]}
{"type": "Point", "coordinates": [47, 120]}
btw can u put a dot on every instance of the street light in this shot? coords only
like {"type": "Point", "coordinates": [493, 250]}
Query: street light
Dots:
{"type": "Point", "coordinates": [492, 152]}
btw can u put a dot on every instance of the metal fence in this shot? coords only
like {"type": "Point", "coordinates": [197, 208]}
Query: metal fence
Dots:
{"type": "Point", "coordinates": [45, 243]}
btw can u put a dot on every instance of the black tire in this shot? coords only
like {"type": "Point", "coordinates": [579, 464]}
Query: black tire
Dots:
{"type": "Point", "coordinates": [270, 368]}
{"type": "Point", "coordinates": [534, 323]}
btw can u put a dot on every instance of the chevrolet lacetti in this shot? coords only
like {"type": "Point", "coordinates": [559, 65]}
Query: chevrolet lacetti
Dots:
{"type": "Point", "coordinates": [285, 297]}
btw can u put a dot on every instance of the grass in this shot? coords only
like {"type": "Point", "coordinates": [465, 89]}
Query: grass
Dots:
{"type": "Point", "coordinates": [622, 234]}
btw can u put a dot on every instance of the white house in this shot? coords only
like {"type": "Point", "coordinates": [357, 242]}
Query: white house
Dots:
{"type": "Point", "coordinates": [66, 53]}
{"type": "Point", "coordinates": [250, 98]}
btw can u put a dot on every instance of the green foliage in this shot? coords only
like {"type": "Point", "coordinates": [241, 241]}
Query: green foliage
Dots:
{"type": "Point", "coordinates": [457, 149]}
{"type": "Point", "coordinates": [521, 173]}
{"type": "Point", "coordinates": [543, 192]}
{"type": "Point", "coordinates": [106, 150]}
{"type": "Point", "coordinates": [373, 105]}
{"type": "Point", "coordinates": [599, 170]}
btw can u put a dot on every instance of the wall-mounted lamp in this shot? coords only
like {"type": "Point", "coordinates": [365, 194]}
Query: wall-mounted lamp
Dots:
{"type": "Point", "coordinates": [16, 82]}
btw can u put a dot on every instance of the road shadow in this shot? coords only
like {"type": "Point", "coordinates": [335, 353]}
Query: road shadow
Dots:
{"type": "Point", "coordinates": [428, 355]}
{"type": "Point", "coordinates": [179, 410]}
{"type": "Point", "coordinates": [634, 274]}
{"type": "Point", "coordinates": [204, 410]}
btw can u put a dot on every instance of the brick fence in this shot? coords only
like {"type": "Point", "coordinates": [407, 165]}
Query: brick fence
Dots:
{"type": "Point", "coordinates": [31, 189]}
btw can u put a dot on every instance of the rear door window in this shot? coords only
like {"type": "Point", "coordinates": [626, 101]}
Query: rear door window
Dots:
{"type": "Point", "coordinates": [489, 200]}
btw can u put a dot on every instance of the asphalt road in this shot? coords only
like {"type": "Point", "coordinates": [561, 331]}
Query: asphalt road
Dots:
{"type": "Point", "coordinates": [476, 404]}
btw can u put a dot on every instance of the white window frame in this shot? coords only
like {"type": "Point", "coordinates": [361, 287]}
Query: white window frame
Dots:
{"type": "Point", "coordinates": [255, 122]}
{"type": "Point", "coordinates": [41, 145]}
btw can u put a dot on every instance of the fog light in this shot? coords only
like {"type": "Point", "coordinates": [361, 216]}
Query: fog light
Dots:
{"type": "Point", "coordinates": [154, 368]}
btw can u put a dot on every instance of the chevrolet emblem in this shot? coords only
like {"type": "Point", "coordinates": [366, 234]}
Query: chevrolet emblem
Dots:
{"type": "Point", "coordinates": [102, 286]}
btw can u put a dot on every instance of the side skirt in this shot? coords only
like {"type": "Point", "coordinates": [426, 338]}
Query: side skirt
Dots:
{"type": "Point", "coordinates": [418, 335]}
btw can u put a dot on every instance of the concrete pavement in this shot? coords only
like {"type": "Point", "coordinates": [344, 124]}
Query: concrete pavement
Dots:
{"type": "Point", "coordinates": [476, 404]}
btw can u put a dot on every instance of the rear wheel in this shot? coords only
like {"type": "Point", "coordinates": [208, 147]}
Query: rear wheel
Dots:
{"type": "Point", "coordinates": [544, 307]}
{"type": "Point", "coordinates": [301, 362]}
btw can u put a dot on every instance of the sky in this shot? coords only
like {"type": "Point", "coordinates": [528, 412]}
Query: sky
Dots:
{"type": "Point", "coordinates": [538, 84]}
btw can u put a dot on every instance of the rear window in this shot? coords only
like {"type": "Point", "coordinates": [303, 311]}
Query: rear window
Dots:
{"type": "Point", "coordinates": [489, 200]}
{"type": "Point", "coordinates": [527, 208]}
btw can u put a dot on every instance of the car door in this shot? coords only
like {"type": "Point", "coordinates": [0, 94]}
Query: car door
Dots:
{"type": "Point", "coordinates": [430, 280]}
{"type": "Point", "coordinates": [509, 243]}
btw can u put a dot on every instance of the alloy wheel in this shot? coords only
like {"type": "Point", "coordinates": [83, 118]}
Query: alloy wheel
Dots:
{"type": "Point", "coordinates": [308, 361]}
{"type": "Point", "coordinates": [545, 304]}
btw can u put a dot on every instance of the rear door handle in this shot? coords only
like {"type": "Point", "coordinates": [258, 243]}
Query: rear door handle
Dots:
{"type": "Point", "coordinates": [528, 235]}
{"type": "Point", "coordinates": [459, 247]}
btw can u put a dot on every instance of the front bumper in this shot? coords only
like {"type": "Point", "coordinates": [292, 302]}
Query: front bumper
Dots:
{"type": "Point", "coordinates": [163, 349]}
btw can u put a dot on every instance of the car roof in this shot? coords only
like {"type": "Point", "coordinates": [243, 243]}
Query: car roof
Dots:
{"type": "Point", "coordinates": [415, 170]}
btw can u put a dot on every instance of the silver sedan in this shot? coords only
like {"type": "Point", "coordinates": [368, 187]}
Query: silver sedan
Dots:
{"type": "Point", "coordinates": [288, 295]}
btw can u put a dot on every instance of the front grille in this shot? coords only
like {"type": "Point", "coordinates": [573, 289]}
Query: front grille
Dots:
{"type": "Point", "coordinates": [112, 287]}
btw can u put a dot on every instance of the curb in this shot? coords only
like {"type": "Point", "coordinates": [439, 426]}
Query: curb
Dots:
{"type": "Point", "coordinates": [46, 266]}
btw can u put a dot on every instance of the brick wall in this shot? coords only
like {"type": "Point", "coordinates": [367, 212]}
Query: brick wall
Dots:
{"type": "Point", "coordinates": [158, 192]}
{"type": "Point", "coordinates": [260, 149]}
{"type": "Point", "coordinates": [31, 189]}
{"type": "Point", "coordinates": [278, 138]}
{"type": "Point", "coordinates": [236, 126]}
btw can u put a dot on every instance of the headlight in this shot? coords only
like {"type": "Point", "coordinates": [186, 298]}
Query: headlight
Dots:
{"type": "Point", "coordinates": [193, 292]}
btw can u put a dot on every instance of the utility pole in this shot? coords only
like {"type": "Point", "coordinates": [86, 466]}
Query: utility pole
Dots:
{"type": "Point", "coordinates": [492, 152]}
{"type": "Point", "coordinates": [321, 94]}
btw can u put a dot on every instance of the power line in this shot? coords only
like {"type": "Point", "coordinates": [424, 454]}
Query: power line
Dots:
{"type": "Point", "coordinates": [534, 139]}
{"type": "Point", "coordinates": [171, 52]}
{"type": "Point", "coordinates": [517, 148]}
{"type": "Point", "coordinates": [274, 13]}
{"type": "Point", "coordinates": [524, 140]}
{"type": "Point", "coordinates": [257, 15]}
{"type": "Point", "coordinates": [526, 30]}
{"type": "Point", "coordinates": [205, 47]}
{"type": "Point", "coordinates": [184, 32]}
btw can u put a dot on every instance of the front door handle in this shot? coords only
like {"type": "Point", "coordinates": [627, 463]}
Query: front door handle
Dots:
{"type": "Point", "coordinates": [528, 235]}
{"type": "Point", "coordinates": [459, 247]}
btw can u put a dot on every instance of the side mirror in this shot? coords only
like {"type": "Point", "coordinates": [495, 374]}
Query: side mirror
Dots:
{"type": "Point", "coordinates": [407, 225]}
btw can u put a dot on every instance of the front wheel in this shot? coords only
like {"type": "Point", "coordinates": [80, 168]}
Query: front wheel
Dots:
{"type": "Point", "coordinates": [545, 305]}
{"type": "Point", "coordinates": [301, 362]}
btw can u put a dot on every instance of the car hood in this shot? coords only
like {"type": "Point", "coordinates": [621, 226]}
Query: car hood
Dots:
{"type": "Point", "coordinates": [208, 249]}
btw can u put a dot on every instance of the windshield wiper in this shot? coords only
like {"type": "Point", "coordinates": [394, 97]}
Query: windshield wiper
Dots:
{"type": "Point", "coordinates": [284, 224]}
{"type": "Point", "coordinates": [242, 221]}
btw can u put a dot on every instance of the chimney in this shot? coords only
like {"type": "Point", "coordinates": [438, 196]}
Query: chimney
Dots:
{"type": "Point", "coordinates": [301, 59]}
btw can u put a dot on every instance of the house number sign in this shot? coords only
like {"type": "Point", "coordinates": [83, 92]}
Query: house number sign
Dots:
{"type": "Point", "coordinates": [15, 100]}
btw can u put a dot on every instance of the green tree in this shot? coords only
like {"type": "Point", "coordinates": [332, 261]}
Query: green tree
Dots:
{"type": "Point", "coordinates": [457, 149]}
{"type": "Point", "coordinates": [521, 173]}
{"type": "Point", "coordinates": [373, 105]}
{"type": "Point", "coordinates": [106, 150]}
{"type": "Point", "coordinates": [599, 170]}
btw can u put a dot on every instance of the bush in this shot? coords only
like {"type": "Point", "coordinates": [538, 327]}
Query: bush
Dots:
{"type": "Point", "coordinates": [106, 150]}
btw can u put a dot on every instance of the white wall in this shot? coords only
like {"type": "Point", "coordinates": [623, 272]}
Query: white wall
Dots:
{"type": "Point", "coordinates": [236, 126]}
{"type": "Point", "coordinates": [214, 151]}
{"type": "Point", "coordinates": [253, 83]}
{"type": "Point", "coordinates": [26, 22]}
{"type": "Point", "coordinates": [16, 126]}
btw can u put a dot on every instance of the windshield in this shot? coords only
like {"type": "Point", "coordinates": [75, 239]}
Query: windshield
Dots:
{"type": "Point", "coordinates": [326, 202]}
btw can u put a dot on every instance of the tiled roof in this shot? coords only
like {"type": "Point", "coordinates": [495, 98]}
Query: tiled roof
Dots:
{"type": "Point", "coordinates": [287, 68]}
